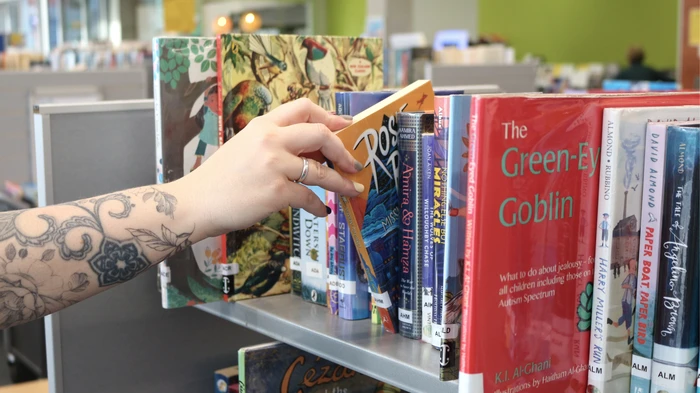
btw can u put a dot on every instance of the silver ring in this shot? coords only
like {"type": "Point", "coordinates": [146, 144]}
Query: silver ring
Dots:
{"type": "Point", "coordinates": [304, 170]}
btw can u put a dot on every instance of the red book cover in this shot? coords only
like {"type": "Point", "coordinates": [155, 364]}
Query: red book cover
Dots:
{"type": "Point", "coordinates": [532, 194]}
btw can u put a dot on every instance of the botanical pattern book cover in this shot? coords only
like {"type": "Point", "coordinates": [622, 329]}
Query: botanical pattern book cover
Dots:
{"type": "Point", "coordinates": [257, 73]}
{"type": "Point", "coordinates": [187, 112]}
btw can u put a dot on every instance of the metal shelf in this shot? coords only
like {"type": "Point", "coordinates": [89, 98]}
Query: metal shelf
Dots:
{"type": "Point", "coordinates": [411, 365]}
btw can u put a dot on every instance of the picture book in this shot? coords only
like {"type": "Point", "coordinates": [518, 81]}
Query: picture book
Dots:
{"type": "Point", "coordinates": [649, 253]}
{"type": "Point", "coordinates": [676, 340]}
{"type": "Point", "coordinates": [532, 193]}
{"type": "Point", "coordinates": [373, 215]}
{"type": "Point", "coordinates": [279, 367]}
{"type": "Point", "coordinates": [455, 212]}
{"type": "Point", "coordinates": [314, 243]}
{"type": "Point", "coordinates": [257, 73]}
{"type": "Point", "coordinates": [186, 111]}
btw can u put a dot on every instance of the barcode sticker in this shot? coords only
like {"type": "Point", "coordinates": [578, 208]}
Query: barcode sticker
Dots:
{"type": "Point", "coordinates": [295, 263]}
{"type": "Point", "coordinates": [382, 300]}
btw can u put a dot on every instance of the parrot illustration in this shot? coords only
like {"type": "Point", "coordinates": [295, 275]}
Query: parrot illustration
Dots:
{"type": "Point", "coordinates": [262, 45]}
{"type": "Point", "coordinates": [245, 101]}
{"type": "Point", "coordinates": [264, 277]}
{"type": "Point", "coordinates": [320, 70]}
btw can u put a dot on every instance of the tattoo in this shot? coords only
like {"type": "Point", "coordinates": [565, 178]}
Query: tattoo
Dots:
{"type": "Point", "coordinates": [165, 203]}
{"type": "Point", "coordinates": [29, 285]}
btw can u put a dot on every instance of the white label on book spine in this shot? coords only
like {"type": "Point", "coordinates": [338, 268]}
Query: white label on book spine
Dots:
{"type": "Point", "coordinates": [382, 300]}
{"type": "Point", "coordinates": [447, 332]}
{"type": "Point", "coordinates": [641, 367]}
{"type": "Point", "coordinates": [347, 287]}
{"type": "Point", "coordinates": [405, 316]}
{"type": "Point", "coordinates": [672, 378]}
{"type": "Point", "coordinates": [295, 263]}
{"type": "Point", "coordinates": [164, 273]}
{"type": "Point", "coordinates": [333, 282]}
{"type": "Point", "coordinates": [314, 270]}
{"type": "Point", "coordinates": [229, 269]}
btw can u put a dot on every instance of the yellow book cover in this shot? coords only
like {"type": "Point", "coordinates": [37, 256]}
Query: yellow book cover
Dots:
{"type": "Point", "coordinates": [373, 216]}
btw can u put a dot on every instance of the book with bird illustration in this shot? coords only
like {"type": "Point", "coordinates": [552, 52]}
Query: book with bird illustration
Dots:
{"type": "Point", "coordinates": [186, 113]}
{"type": "Point", "coordinates": [373, 216]}
{"type": "Point", "coordinates": [257, 73]}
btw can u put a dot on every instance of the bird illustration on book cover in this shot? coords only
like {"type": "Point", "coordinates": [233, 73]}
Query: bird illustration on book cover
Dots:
{"type": "Point", "coordinates": [257, 73]}
{"type": "Point", "coordinates": [187, 104]}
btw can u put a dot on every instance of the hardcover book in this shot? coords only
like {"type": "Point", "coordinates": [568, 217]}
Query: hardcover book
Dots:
{"type": "Point", "coordinates": [617, 252]}
{"type": "Point", "coordinates": [186, 112]}
{"type": "Point", "coordinates": [258, 73]}
{"type": "Point", "coordinates": [676, 339]}
{"type": "Point", "coordinates": [532, 193]}
{"type": "Point", "coordinates": [278, 367]}
{"type": "Point", "coordinates": [373, 215]}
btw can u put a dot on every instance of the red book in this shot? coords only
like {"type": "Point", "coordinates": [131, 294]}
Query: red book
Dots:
{"type": "Point", "coordinates": [532, 195]}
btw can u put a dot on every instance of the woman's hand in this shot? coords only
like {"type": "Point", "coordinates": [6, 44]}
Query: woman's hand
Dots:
{"type": "Point", "coordinates": [253, 175]}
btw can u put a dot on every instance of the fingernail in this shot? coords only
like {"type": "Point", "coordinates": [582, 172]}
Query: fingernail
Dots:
{"type": "Point", "coordinates": [358, 166]}
{"type": "Point", "coordinates": [358, 187]}
{"type": "Point", "coordinates": [328, 210]}
{"type": "Point", "coordinates": [346, 117]}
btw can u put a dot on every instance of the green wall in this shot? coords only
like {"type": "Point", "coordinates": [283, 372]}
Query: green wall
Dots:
{"type": "Point", "coordinates": [584, 31]}
{"type": "Point", "coordinates": [346, 17]}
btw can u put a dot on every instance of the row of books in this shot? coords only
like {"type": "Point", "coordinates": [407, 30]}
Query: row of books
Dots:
{"type": "Point", "coordinates": [278, 367]}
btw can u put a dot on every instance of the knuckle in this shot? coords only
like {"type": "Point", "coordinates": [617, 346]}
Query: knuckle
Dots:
{"type": "Point", "coordinates": [322, 172]}
{"type": "Point", "coordinates": [279, 187]}
{"type": "Point", "coordinates": [269, 140]}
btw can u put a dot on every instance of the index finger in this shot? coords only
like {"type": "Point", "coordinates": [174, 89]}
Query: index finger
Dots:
{"type": "Point", "coordinates": [304, 110]}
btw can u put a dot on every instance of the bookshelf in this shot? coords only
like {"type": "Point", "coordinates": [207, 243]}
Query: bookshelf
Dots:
{"type": "Point", "coordinates": [408, 364]}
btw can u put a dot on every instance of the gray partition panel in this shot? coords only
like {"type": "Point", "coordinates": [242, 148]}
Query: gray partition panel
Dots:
{"type": "Point", "coordinates": [511, 78]}
{"type": "Point", "coordinates": [121, 340]}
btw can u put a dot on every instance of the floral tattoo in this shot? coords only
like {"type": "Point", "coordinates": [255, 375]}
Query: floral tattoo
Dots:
{"type": "Point", "coordinates": [29, 285]}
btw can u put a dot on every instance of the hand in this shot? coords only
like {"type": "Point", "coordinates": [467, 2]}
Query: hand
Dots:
{"type": "Point", "coordinates": [253, 175]}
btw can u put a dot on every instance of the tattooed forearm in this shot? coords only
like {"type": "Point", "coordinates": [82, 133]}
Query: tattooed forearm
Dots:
{"type": "Point", "coordinates": [55, 256]}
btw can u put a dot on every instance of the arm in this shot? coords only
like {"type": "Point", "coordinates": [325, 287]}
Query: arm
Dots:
{"type": "Point", "coordinates": [55, 256]}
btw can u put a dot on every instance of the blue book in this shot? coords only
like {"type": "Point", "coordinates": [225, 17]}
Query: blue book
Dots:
{"type": "Point", "coordinates": [428, 271]}
{"type": "Point", "coordinates": [458, 131]}
{"type": "Point", "coordinates": [411, 127]}
{"type": "Point", "coordinates": [675, 353]}
{"type": "Point", "coordinates": [353, 289]}
{"type": "Point", "coordinates": [314, 271]}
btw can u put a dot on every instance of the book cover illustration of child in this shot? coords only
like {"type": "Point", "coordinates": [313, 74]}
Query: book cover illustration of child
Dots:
{"type": "Point", "coordinates": [629, 287]}
{"type": "Point", "coordinates": [604, 226]}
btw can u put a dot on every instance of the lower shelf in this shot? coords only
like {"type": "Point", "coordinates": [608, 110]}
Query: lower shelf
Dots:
{"type": "Point", "coordinates": [408, 364]}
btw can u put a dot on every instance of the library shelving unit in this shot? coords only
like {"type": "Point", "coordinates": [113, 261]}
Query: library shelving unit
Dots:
{"type": "Point", "coordinates": [408, 364]}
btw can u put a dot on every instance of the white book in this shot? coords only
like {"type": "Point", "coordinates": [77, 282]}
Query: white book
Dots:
{"type": "Point", "coordinates": [617, 237]}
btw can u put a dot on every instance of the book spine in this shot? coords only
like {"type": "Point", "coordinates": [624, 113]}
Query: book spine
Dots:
{"type": "Point", "coordinates": [428, 271]}
{"type": "Point", "coordinates": [649, 251]}
{"type": "Point", "coordinates": [442, 107]}
{"type": "Point", "coordinates": [163, 268]}
{"type": "Point", "coordinates": [455, 200]}
{"type": "Point", "coordinates": [332, 229]}
{"type": "Point", "coordinates": [295, 259]}
{"type": "Point", "coordinates": [676, 335]}
{"type": "Point", "coordinates": [410, 256]}
{"type": "Point", "coordinates": [314, 276]}
{"type": "Point", "coordinates": [471, 378]}
{"type": "Point", "coordinates": [241, 371]}
{"type": "Point", "coordinates": [219, 78]}
{"type": "Point", "coordinates": [599, 368]}
{"type": "Point", "coordinates": [353, 293]}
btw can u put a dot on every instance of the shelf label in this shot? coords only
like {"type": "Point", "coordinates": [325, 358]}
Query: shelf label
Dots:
{"type": "Point", "coordinates": [447, 332]}
{"type": "Point", "coordinates": [382, 300]}
{"type": "Point", "coordinates": [405, 316]}
{"type": "Point", "coordinates": [295, 263]}
{"type": "Point", "coordinates": [229, 269]}
{"type": "Point", "coordinates": [313, 270]}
